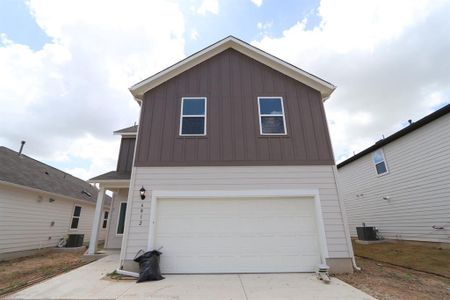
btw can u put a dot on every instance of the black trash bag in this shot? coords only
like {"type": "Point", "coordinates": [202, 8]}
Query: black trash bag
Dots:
{"type": "Point", "coordinates": [149, 266]}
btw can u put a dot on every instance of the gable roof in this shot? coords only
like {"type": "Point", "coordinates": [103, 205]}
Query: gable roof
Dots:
{"type": "Point", "coordinates": [132, 130]}
{"type": "Point", "coordinates": [112, 175]}
{"type": "Point", "coordinates": [139, 89]}
{"type": "Point", "coordinates": [26, 171]}
{"type": "Point", "coordinates": [415, 125]}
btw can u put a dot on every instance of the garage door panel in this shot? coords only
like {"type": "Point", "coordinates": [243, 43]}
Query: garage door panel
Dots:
{"type": "Point", "coordinates": [279, 225]}
{"type": "Point", "coordinates": [242, 264]}
{"type": "Point", "coordinates": [231, 245]}
{"type": "Point", "coordinates": [237, 235]}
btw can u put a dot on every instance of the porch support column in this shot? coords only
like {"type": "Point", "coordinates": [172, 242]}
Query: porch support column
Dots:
{"type": "Point", "coordinates": [96, 222]}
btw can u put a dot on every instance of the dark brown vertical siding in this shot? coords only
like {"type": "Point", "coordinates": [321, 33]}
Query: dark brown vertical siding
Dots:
{"type": "Point", "coordinates": [126, 153]}
{"type": "Point", "coordinates": [232, 82]}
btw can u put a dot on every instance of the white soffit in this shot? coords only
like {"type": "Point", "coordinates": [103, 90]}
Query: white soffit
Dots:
{"type": "Point", "coordinates": [139, 89]}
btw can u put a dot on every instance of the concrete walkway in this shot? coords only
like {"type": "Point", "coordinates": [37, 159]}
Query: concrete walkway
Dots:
{"type": "Point", "coordinates": [88, 282]}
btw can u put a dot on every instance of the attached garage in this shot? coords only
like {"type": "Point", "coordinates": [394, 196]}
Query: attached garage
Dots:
{"type": "Point", "coordinates": [238, 234]}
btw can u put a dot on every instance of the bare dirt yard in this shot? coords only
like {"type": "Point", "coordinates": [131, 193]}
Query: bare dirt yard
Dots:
{"type": "Point", "coordinates": [19, 273]}
{"type": "Point", "coordinates": [401, 271]}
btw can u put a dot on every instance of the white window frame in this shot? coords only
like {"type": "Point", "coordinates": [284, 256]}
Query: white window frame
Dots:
{"type": "Point", "coordinates": [105, 219]}
{"type": "Point", "coordinates": [118, 218]}
{"type": "Point", "coordinates": [204, 116]}
{"type": "Point", "coordinates": [384, 160]}
{"type": "Point", "coordinates": [272, 115]}
{"type": "Point", "coordinates": [73, 216]}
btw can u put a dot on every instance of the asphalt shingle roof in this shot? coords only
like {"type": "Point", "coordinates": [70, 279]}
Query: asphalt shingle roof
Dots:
{"type": "Point", "coordinates": [26, 171]}
{"type": "Point", "coordinates": [113, 175]}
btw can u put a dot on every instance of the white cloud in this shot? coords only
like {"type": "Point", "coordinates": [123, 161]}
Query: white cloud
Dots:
{"type": "Point", "coordinates": [257, 2]}
{"type": "Point", "coordinates": [264, 26]}
{"type": "Point", "coordinates": [211, 6]}
{"type": "Point", "coordinates": [66, 98]}
{"type": "Point", "coordinates": [389, 60]}
{"type": "Point", "coordinates": [194, 34]}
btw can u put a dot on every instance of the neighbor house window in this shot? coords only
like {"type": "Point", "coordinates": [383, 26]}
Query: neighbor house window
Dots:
{"type": "Point", "coordinates": [75, 217]}
{"type": "Point", "coordinates": [271, 116]}
{"type": "Point", "coordinates": [105, 219]}
{"type": "Point", "coordinates": [121, 221]}
{"type": "Point", "coordinates": [379, 162]}
{"type": "Point", "coordinates": [193, 116]}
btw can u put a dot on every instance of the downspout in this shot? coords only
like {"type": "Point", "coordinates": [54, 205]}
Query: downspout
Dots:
{"type": "Point", "coordinates": [344, 219]}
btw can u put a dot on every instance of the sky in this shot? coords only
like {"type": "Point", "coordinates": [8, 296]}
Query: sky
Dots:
{"type": "Point", "coordinates": [66, 65]}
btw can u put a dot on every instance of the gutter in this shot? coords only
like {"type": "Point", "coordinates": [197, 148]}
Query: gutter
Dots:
{"type": "Point", "coordinates": [27, 188]}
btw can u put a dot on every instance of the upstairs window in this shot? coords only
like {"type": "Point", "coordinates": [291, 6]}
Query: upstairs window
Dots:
{"type": "Point", "coordinates": [379, 162]}
{"type": "Point", "coordinates": [271, 116]}
{"type": "Point", "coordinates": [75, 217]}
{"type": "Point", "coordinates": [193, 116]}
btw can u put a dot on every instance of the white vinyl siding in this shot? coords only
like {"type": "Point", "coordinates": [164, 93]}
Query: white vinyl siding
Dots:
{"type": "Point", "coordinates": [417, 187]}
{"type": "Point", "coordinates": [236, 178]}
{"type": "Point", "coordinates": [28, 219]}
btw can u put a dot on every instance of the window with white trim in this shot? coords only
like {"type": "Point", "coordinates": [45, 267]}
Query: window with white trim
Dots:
{"type": "Point", "coordinates": [75, 217]}
{"type": "Point", "coordinates": [380, 162]}
{"type": "Point", "coordinates": [193, 116]}
{"type": "Point", "coordinates": [105, 219]}
{"type": "Point", "coordinates": [271, 116]}
{"type": "Point", "coordinates": [121, 219]}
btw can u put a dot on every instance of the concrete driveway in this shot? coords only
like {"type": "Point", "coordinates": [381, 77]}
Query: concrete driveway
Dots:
{"type": "Point", "coordinates": [89, 282]}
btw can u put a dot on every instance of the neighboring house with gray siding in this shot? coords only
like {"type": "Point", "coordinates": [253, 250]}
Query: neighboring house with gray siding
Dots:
{"type": "Point", "coordinates": [40, 204]}
{"type": "Point", "coordinates": [233, 169]}
{"type": "Point", "coordinates": [401, 184]}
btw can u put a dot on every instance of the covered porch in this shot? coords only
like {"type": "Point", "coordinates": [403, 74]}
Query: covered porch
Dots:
{"type": "Point", "coordinates": [118, 184]}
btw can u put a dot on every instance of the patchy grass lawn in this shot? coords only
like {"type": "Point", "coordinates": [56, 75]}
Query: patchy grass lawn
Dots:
{"type": "Point", "coordinates": [384, 281]}
{"type": "Point", "coordinates": [401, 271]}
{"type": "Point", "coordinates": [431, 259]}
{"type": "Point", "coordinates": [18, 273]}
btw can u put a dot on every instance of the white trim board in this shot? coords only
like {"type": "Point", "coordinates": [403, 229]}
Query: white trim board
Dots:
{"type": "Point", "coordinates": [314, 193]}
{"type": "Point", "coordinates": [139, 89]}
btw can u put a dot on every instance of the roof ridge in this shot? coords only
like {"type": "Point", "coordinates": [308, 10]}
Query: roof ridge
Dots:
{"type": "Point", "coordinates": [399, 133]}
{"type": "Point", "coordinates": [278, 64]}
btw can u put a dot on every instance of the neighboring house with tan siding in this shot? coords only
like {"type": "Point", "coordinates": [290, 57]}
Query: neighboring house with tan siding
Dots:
{"type": "Point", "coordinates": [401, 185]}
{"type": "Point", "coordinates": [233, 169]}
{"type": "Point", "coordinates": [40, 204]}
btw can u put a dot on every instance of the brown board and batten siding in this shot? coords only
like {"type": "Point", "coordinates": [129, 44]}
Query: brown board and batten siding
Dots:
{"type": "Point", "coordinates": [126, 152]}
{"type": "Point", "coordinates": [232, 82]}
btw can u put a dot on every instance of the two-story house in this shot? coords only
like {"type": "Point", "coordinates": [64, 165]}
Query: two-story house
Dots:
{"type": "Point", "coordinates": [401, 184]}
{"type": "Point", "coordinates": [232, 171]}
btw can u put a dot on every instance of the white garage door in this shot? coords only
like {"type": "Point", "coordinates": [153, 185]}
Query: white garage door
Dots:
{"type": "Point", "coordinates": [237, 235]}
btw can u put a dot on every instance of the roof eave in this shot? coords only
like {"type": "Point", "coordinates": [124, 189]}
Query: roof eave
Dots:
{"type": "Point", "coordinates": [28, 188]}
{"type": "Point", "coordinates": [125, 133]}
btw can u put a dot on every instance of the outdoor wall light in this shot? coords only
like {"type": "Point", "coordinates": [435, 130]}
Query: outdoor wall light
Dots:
{"type": "Point", "coordinates": [142, 191]}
